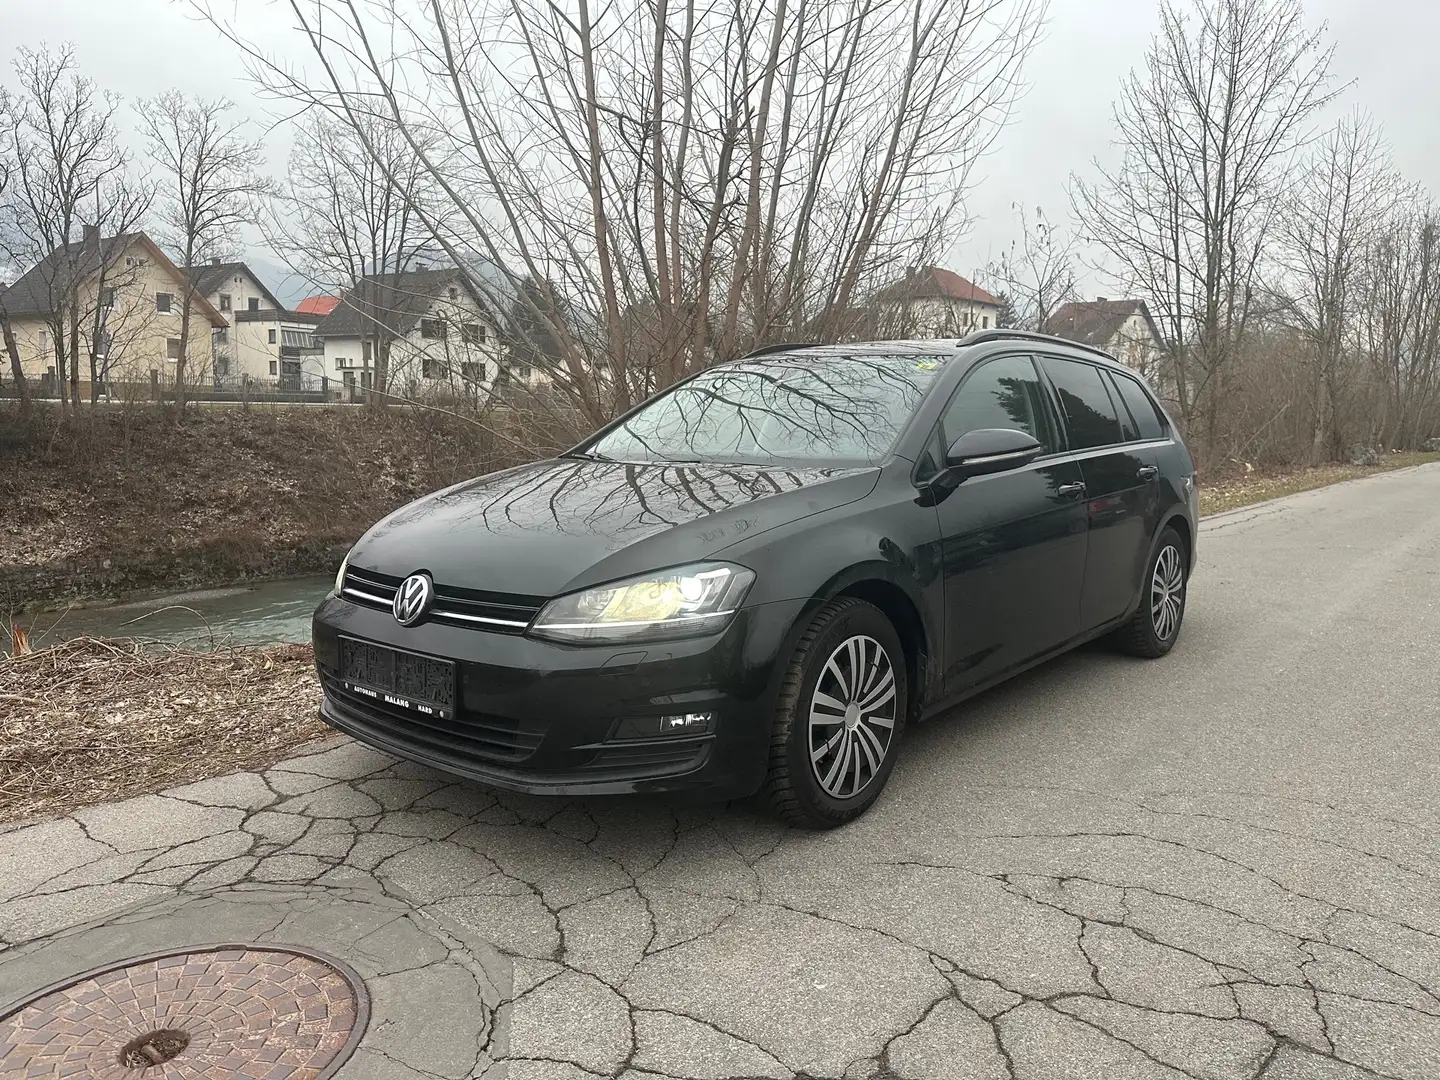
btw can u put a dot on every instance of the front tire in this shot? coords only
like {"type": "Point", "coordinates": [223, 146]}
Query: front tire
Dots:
{"type": "Point", "coordinates": [1153, 629]}
{"type": "Point", "coordinates": [839, 718]}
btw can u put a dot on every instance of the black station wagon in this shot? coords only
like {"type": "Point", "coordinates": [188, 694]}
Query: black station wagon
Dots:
{"type": "Point", "coordinates": [755, 580]}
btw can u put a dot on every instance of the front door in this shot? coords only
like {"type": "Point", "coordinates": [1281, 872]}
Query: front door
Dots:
{"type": "Point", "coordinates": [1013, 542]}
{"type": "Point", "coordinates": [1122, 490]}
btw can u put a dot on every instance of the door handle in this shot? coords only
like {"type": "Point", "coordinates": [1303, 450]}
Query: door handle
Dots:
{"type": "Point", "coordinates": [1148, 472]}
{"type": "Point", "coordinates": [1077, 488]}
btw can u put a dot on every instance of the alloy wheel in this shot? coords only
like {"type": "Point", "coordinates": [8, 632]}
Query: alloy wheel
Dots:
{"type": "Point", "coordinates": [1167, 592]}
{"type": "Point", "coordinates": [852, 717]}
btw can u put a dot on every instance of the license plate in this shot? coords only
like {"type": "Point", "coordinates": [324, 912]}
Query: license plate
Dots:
{"type": "Point", "coordinates": [403, 679]}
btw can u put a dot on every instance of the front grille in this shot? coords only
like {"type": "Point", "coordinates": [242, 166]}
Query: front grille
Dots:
{"type": "Point", "coordinates": [501, 613]}
{"type": "Point", "coordinates": [474, 735]}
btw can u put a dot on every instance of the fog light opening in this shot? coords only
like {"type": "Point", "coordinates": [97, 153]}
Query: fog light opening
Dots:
{"type": "Point", "coordinates": [691, 723]}
{"type": "Point", "coordinates": [659, 727]}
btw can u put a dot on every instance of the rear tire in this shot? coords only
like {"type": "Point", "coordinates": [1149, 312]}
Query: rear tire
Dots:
{"type": "Point", "coordinates": [839, 717]}
{"type": "Point", "coordinates": [1155, 626]}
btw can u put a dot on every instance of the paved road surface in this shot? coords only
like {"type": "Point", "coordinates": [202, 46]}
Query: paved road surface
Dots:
{"type": "Point", "coordinates": [1220, 865]}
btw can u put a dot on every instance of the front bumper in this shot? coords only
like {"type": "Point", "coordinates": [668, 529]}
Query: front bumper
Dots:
{"type": "Point", "coordinates": [544, 718]}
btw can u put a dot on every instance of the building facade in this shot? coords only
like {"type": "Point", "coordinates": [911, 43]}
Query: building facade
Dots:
{"type": "Point", "coordinates": [120, 298]}
{"type": "Point", "coordinates": [436, 336]}
{"type": "Point", "coordinates": [266, 346]}
{"type": "Point", "coordinates": [1123, 328]}
{"type": "Point", "coordinates": [932, 302]}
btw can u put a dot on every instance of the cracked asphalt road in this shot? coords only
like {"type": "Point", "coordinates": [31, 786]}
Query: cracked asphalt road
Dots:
{"type": "Point", "coordinates": [1222, 865]}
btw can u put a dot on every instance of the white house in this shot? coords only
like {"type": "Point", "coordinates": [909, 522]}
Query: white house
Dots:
{"type": "Point", "coordinates": [931, 302]}
{"type": "Point", "coordinates": [1123, 328]}
{"type": "Point", "coordinates": [441, 338]}
{"type": "Point", "coordinates": [265, 344]}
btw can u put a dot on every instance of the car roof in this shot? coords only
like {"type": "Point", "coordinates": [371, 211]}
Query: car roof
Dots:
{"type": "Point", "coordinates": [928, 347]}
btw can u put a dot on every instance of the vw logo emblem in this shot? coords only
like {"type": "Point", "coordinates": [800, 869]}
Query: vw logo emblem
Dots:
{"type": "Point", "coordinates": [412, 599]}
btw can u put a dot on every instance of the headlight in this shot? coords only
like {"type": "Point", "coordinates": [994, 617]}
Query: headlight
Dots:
{"type": "Point", "coordinates": [672, 603]}
{"type": "Point", "coordinates": [340, 574]}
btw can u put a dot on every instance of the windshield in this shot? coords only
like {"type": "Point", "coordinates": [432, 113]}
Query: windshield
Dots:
{"type": "Point", "coordinates": [823, 410]}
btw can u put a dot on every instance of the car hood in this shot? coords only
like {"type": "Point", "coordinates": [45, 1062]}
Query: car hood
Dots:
{"type": "Point", "coordinates": [557, 525]}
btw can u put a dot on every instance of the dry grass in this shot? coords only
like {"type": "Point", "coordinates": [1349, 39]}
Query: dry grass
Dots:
{"type": "Point", "coordinates": [1230, 494]}
{"type": "Point", "coordinates": [88, 720]}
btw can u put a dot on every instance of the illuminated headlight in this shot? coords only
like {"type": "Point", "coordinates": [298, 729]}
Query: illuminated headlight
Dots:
{"type": "Point", "coordinates": [684, 602]}
{"type": "Point", "coordinates": [340, 574]}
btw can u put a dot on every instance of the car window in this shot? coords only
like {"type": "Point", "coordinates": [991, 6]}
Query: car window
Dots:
{"type": "Point", "coordinates": [783, 408]}
{"type": "Point", "coordinates": [1128, 431]}
{"type": "Point", "coordinates": [1089, 414]}
{"type": "Point", "coordinates": [1142, 407]}
{"type": "Point", "coordinates": [1002, 393]}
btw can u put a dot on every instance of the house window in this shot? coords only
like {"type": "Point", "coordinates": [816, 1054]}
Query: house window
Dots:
{"type": "Point", "coordinates": [432, 328]}
{"type": "Point", "coordinates": [454, 294]}
{"type": "Point", "coordinates": [44, 342]}
{"type": "Point", "coordinates": [107, 297]}
{"type": "Point", "coordinates": [222, 335]}
{"type": "Point", "coordinates": [172, 348]}
{"type": "Point", "coordinates": [431, 369]}
{"type": "Point", "coordinates": [270, 336]}
{"type": "Point", "coordinates": [472, 333]}
{"type": "Point", "coordinates": [365, 353]}
{"type": "Point", "coordinates": [253, 304]}
{"type": "Point", "coordinates": [224, 301]}
{"type": "Point", "coordinates": [473, 372]}
{"type": "Point", "coordinates": [984, 322]}
{"type": "Point", "coordinates": [222, 366]}
{"type": "Point", "coordinates": [162, 303]}
{"type": "Point", "coordinates": [274, 367]}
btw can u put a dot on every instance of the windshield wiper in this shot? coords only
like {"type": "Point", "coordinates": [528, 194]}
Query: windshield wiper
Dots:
{"type": "Point", "coordinates": [589, 455]}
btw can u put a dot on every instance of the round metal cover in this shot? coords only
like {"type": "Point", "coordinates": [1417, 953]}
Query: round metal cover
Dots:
{"type": "Point", "coordinates": [218, 1012]}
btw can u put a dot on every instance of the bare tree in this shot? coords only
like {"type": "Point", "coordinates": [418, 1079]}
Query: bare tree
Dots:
{"type": "Point", "coordinates": [1399, 319]}
{"type": "Point", "coordinates": [66, 169]}
{"type": "Point", "coordinates": [7, 333]}
{"type": "Point", "coordinates": [1207, 129]}
{"type": "Point", "coordinates": [1337, 209]}
{"type": "Point", "coordinates": [690, 180]}
{"type": "Point", "coordinates": [1037, 273]}
{"type": "Point", "coordinates": [349, 218]}
{"type": "Point", "coordinates": [209, 182]}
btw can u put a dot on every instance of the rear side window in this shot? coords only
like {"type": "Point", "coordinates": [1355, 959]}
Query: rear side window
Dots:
{"type": "Point", "coordinates": [1142, 408]}
{"type": "Point", "coordinates": [1089, 414]}
{"type": "Point", "coordinates": [1002, 393]}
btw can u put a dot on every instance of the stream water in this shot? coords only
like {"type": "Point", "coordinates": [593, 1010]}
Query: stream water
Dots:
{"type": "Point", "coordinates": [268, 613]}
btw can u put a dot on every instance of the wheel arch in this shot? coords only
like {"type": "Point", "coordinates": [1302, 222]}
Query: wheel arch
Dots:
{"type": "Point", "coordinates": [876, 584]}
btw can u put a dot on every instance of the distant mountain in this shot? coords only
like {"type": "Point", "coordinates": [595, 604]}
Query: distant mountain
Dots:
{"type": "Point", "coordinates": [289, 287]}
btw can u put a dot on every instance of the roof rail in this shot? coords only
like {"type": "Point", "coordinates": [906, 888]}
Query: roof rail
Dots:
{"type": "Point", "coordinates": [783, 346]}
{"type": "Point", "coordinates": [1003, 334]}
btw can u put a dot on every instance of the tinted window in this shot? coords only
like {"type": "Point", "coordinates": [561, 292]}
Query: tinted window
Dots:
{"type": "Point", "coordinates": [1089, 414]}
{"type": "Point", "coordinates": [1142, 408]}
{"type": "Point", "coordinates": [1003, 393]}
{"type": "Point", "coordinates": [840, 410]}
{"type": "Point", "coordinates": [1127, 426]}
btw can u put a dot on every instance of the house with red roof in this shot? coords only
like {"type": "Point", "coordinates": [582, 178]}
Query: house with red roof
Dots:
{"type": "Point", "coordinates": [317, 305]}
{"type": "Point", "coordinates": [932, 302]}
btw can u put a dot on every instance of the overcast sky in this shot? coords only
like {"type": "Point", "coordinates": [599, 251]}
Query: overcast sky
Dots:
{"type": "Point", "coordinates": [140, 48]}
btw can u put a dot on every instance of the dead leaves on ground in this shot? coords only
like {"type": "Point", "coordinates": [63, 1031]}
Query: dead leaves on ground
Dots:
{"type": "Point", "coordinates": [91, 720]}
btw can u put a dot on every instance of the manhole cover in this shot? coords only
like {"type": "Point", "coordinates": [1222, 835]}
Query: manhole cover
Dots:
{"type": "Point", "coordinates": [222, 1012]}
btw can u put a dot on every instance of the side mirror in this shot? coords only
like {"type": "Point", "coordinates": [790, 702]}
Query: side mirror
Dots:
{"type": "Point", "coordinates": [990, 450]}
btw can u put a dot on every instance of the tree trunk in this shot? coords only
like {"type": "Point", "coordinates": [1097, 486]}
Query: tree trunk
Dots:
{"type": "Point", "coordinates": [184, 348]}
{"type": "Point", "coordinates": [1324, 409]}
{"type": "Point", "coordinates": [13, 348]}
{"type": "Point", "coordinates": [74, 356]}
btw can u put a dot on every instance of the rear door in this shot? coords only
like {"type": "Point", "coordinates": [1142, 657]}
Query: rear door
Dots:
{"type": "Point", "coordinates": [1013, 542]}
{"type": "Point", "coordinates": [1120, 473]}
